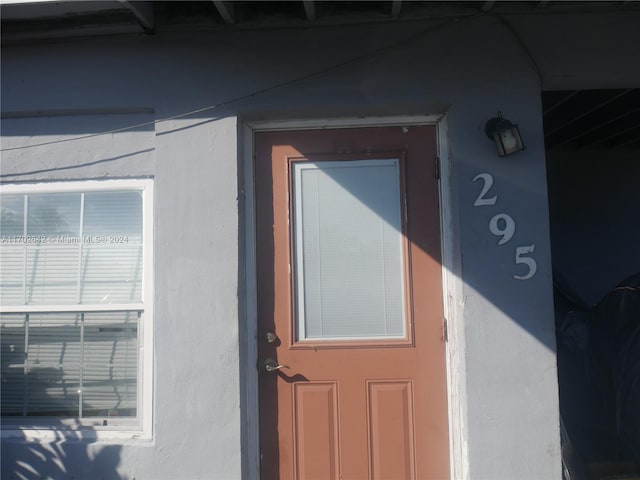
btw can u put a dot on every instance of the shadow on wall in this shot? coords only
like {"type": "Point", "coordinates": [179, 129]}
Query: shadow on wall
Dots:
{"type": "Point", "coordinates": [66, 454]}
{"type": "Point", "coordinates": [125, 153]}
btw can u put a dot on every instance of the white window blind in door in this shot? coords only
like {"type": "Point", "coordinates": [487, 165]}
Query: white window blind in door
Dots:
{"type": "Point", "coordinates": [348, 249]}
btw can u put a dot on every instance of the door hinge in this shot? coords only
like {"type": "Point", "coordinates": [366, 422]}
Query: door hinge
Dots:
{"type": "Point", "coordinates": [445, 330]}
{"type": "Point", "coordinates": [437, 172]}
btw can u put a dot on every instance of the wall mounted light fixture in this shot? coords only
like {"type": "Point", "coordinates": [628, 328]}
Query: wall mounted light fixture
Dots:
{"type": "Point", "coordinates": [505, 134]}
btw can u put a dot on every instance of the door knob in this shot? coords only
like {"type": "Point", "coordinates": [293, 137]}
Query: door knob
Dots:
{"type": "Point", "coordinates": [271, 365]}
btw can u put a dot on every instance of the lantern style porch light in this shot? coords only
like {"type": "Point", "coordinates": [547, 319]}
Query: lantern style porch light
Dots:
{"type": "Point", "coordinates": [505, 134]}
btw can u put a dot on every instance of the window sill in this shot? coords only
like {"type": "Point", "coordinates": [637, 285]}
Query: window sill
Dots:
{"type": "Point", "coordinates": [57, 433]}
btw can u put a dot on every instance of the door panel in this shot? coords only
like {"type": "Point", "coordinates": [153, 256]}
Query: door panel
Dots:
{"type": "Point", "coordinates": [391, 438]}
{"type": "Point", "coordinates": [349, 289]}
{"type": "Point", "coordinates": [316, 429]}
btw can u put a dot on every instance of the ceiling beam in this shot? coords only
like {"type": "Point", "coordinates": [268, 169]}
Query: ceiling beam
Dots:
{"type": "Point", "coordinates": [588, 112]}
{"type": "Point", "coordinates": [143, 11]}
{"type": "Point", "coordinates": [633, 139]}
{"type": "Point", "coordinates": [567, 97]}
{"type": "Point", "coordinates": [396, 5]}
{"type": "Point", "coordinates": [225, 9]}
{"type": "Point", "coordinates": [594, 138]}
{"type": "Point", "coordinates": [309, 9]}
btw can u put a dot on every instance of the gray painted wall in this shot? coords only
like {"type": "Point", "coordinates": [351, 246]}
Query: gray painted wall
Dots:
{"type": "Point", "coordinates": [508, 411]}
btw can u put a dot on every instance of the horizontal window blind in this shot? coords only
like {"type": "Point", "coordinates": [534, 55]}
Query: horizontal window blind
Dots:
{"type": "Point", "coordinates": [71, 364]}
{"type": "Point", "coordinates": [71, 250]}
{"type": "Point", "coordinates": [348, 249]}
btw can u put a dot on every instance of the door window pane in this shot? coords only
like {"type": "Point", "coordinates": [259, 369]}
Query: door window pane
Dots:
{"type": "Point", "coordinates": [348, 249]}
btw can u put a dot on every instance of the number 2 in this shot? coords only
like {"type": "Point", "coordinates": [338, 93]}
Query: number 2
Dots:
{"type": "Point", "coordinates": [528, 261]}
{"type": "Point", "coordinates": [488, 183]}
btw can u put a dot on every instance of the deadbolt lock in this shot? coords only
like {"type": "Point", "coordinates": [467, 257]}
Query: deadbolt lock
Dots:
{"type": "Point", "coordinates": [270, 337]}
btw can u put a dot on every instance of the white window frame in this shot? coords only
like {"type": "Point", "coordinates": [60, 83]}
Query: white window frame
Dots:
{"type": "Point", "coordinates": [141, 427]}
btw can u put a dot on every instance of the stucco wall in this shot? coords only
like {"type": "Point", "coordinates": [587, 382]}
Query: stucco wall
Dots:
{"type": "Point", "coordinates": [506, 407]}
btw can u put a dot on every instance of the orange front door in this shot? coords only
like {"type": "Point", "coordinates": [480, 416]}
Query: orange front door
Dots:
{"type": "Point", "coordinates": [351, 349]}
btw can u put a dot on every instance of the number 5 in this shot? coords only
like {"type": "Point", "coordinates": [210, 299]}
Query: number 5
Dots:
{"type": "Point", "coordinates": [528, 261]}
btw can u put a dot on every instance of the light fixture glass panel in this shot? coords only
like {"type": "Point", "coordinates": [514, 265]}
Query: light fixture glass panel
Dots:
{"type": "Point", "coordinates": [348, 249]}
{"type": "Point", "coordinates": [509, 141]}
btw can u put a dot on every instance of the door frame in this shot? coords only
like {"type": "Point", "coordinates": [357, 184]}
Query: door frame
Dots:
{"type": "Point", "coordinates": [451, 281]}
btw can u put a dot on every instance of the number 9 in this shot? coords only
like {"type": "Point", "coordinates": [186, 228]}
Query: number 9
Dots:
{"type": "Point", "coordinates": [508, 229]}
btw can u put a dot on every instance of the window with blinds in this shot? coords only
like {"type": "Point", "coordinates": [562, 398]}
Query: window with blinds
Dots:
{"type": "Point", "coordinates": [72, 275]}
{"type": "Point", "coordinates": [349, 264]}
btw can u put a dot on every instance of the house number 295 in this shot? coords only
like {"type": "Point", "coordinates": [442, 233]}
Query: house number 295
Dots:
{"type": "Point", "coordinates": [503, 225]}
